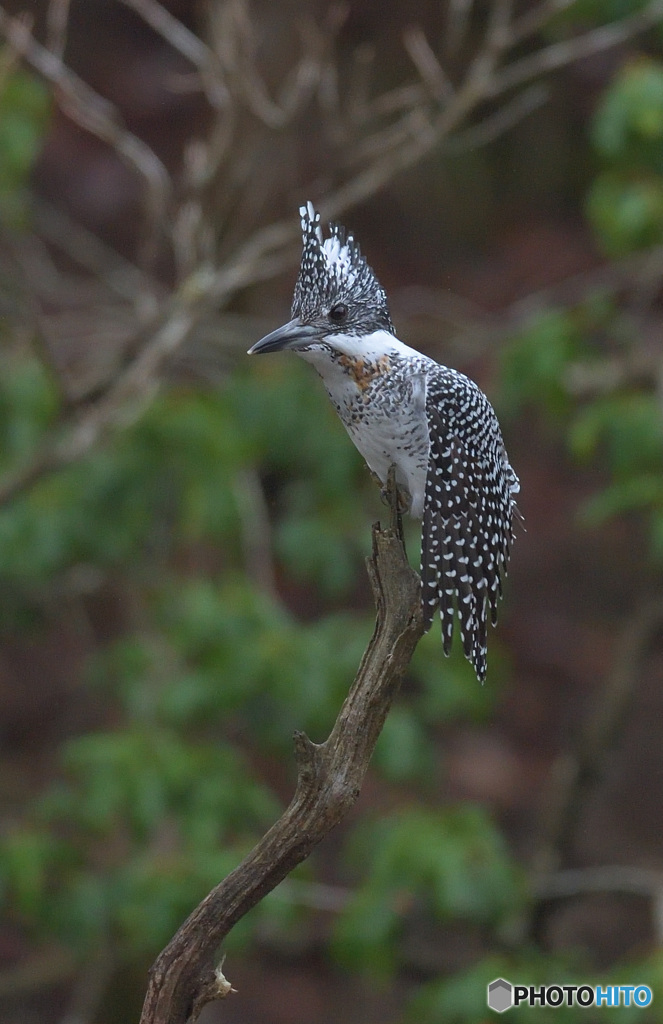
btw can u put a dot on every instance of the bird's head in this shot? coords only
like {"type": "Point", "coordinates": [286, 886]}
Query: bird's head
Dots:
{"type": "Point", "coordinates": [338, 299]}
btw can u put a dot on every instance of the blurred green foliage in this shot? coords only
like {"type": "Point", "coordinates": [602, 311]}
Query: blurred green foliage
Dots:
{"type": "Point", "coordinates": [451, 864]}
{"type": "Point", "coordinates": [143, 820]}
{"type": "Point", "coordinates": [615, 418]}
{"type": "Point", "coordinates": [625, 203]}
{"type": "Point", "coordinates": [583, 11]}
{"type": "Point", "coordinates": [461, 999]}
{"type": "Point", "coordinates": [535, 362]}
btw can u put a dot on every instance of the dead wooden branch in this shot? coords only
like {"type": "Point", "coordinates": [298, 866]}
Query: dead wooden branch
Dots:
{"type": "Point", "coordinates": [185, 976]}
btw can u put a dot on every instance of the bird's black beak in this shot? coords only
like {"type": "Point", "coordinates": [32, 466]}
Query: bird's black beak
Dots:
{"type": "Point", "coordinates": [292, 335]}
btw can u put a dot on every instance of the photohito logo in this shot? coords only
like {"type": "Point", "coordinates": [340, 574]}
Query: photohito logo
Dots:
{"type": "Point", "coordinates": [502, 995]}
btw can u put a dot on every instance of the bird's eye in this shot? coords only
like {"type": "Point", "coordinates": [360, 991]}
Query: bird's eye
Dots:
{"type": "Point", "coordinates": [338, 312]}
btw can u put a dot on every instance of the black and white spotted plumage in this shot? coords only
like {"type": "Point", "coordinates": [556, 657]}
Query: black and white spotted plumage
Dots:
{"type": "Point", "coordinates": [429, 421]}
{"type": "Point", "coordinates": [467, 524]}
{"type": "Point", "coordinates": [334, 270]}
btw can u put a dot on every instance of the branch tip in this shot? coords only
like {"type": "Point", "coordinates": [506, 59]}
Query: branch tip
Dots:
{"type": "Point", "coordinates": [306, 755]}
{"type": "Point", "coordinates": [224, 988]}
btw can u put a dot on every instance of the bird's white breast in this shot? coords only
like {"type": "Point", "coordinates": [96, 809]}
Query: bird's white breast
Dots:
{"type": "Point", "coordinates": [378, 386]}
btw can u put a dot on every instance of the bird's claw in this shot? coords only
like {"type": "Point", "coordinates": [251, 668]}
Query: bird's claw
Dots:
{"type": "Point", "coordinates": [398, 501]}
{"type": "Point", "coordinates": [392, 495]}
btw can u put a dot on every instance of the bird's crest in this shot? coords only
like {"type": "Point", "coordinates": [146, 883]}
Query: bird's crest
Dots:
{"type": "Point", "coordinates": [334, 270]}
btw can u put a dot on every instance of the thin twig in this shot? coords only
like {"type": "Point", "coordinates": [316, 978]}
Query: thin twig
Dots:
{"type": "Point", "coordinates": [601, 878]}
{"type": "Point", "coordinates": [119, 401]}
{"type": "Point", "coordinates": [502, 121]}
{"type": "Point", "coordinates": [570, 50]}
{"type": "Point", "coordinates": [98, 116]}
{"type": "Point", "coordinates": [617, 878]}
{"type": "Point", "coordinates": [458, 18]}
{"type": "Point", "coordinates": [432, 73]}
{"type": "Point", "coordinates": [92, 254]}
{"type": "Point", "coordinates": [531, 21]}
{"type": "Point", "coordinates": [498, 36]}
{"type": "Point", "coordinates": [256, 530]}
{"type": "Point", "coordinates": [482, 82]}
{"type": "Point", "coordinates": [188, 44]}
{"type": "Point", "coordinates": [90, 110]}
{"type": "Point", "coordinates": [57, 20]}
{"type": "Point", "coordinates": [234, 36]}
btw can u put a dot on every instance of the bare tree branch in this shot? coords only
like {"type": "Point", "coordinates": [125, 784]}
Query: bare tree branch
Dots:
{"type": "Point", "coordinates": [91, 111]}
{"type": "Point", "coordinates": [432, 73]}
{"type": "Point", "coordinates": [559, 54]}
{"type": "Point", "coordinates": [234, 35]}
{"type": "Point", "coordinates": [613, 878]}
{"type": "Point", "coordinates": [57, 20]}
{"type": "Point", "coordinates": [457, 23]}
{"type": "Point", "coordinates": [471, 331]}
{"type": "Point", "coordinates": [423, 115]}
{"type": "Point", "coordinates": [531, 21]}
{"type": "Point", "coordinates": [330, 774]}
{"type": "Point", "coordinates": [509, 115]}
{"type": "Point", "coordinates": [98, 116]}
{"type": "Point", "coordinates": [93, 255]}
{"type": "Point", "coordinates": [188, 44]}
{"type": "Point", "coordinates": [256, 531]}
{"type": "Point", "coordinates": [498, 36]}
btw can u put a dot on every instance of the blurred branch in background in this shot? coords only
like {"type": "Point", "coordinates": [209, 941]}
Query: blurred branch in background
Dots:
{"type": "Point", "coordinates": [575, 774]}
{"type": "Point", "coordinates": [631, 282]}
{"type": "Point", "coordinates": [218, 251]}
{"type": "Point", "coordinates": [605, 879]}
{"type": "Point", "coordinates": [96, 115]}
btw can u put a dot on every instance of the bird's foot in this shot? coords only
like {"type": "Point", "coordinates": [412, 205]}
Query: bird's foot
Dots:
{"type": "Point", "coordinates": [398, 501]}
{"type": "Point", "coordinates": [391, 491]}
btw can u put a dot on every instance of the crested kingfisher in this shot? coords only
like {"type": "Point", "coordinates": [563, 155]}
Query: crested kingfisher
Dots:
{"type": "Point", "coordinates": [402, 409]}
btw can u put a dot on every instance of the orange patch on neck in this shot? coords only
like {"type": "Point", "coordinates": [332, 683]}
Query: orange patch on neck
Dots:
{"type": "Point", "coordinates": [364, 372]}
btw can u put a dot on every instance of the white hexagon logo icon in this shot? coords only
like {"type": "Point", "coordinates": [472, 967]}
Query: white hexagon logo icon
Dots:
{"type": "Point", "coordinates": [500, 995]}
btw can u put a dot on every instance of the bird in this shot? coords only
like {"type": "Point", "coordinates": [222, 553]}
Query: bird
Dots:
{"type": "Point", "coordinates": [402, 409]}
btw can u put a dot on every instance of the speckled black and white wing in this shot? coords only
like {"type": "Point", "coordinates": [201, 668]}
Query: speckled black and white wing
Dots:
{"type": "Point", "coordinates": [468, 512]}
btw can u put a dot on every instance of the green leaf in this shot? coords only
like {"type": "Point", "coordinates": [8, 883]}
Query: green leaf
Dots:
{"type": "Point", "coordinates": [634, 494]}
{"type": "Point", "coordinates": [626, 210]}
{"type": "Point", "coordinates": [448, 687]}
{"type": "Point", "coordinates": [450, 864]}
{"type": "Point", "coordinates": [26, 856]}
{"type": "Point", "coordinates": [631, 113]}
{"type": "Point", "coordinates": [403, 752]}
{"type": "Point", "coordinates": [534, 363]}
{"type": "Point", "coordinates": [630, 427]}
